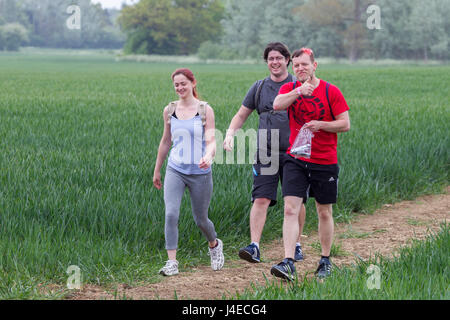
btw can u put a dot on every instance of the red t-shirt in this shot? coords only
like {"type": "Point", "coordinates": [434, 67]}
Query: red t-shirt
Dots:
{"type": "Point", "coordinates": [315, 107]}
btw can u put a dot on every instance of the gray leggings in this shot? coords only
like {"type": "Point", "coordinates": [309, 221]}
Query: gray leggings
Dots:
{"type": "Point", "coordinates": [200, 188]}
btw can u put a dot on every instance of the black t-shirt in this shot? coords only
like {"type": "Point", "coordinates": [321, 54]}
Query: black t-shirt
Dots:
{"type": "Point", "coordinates": [268, 118]}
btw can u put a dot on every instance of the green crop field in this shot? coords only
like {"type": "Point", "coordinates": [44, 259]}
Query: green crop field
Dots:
{"type": "Point", "coordinates": [79, 137]}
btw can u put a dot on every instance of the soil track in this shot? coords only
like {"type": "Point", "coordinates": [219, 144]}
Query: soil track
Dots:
{"type": "Point", "coordinates": [388, 229]}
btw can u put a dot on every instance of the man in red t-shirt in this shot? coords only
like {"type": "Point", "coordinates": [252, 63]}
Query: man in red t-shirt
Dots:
{"type": "Point", "coordinates": [320, 107]}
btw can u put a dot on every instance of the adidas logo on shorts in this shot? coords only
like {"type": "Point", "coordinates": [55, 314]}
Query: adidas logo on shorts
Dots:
{"type": "Point", "coordinates": [331, 179]}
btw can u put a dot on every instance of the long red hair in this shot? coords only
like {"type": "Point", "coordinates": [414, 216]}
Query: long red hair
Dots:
{"type": "Point", "coordinates": [188, 74]}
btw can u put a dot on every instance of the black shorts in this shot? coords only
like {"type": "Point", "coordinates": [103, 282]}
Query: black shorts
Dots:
{"type": "Point", "coordinates": [266, 185]}
{"type": "Point", "coordinates": [304, 179]}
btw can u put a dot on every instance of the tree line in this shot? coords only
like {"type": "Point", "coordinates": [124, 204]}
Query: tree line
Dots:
{"type": "Point", "coordinates": [43, 23]}
{"type": "Point", "coordinates": [236, 29]}
{"type": "Point", "coordinates": [406, 29]}
{"type": "Point", "coordinates": [353, 29]}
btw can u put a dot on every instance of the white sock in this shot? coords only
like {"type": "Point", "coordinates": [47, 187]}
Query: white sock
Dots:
{"type": "Point", "coordinates": [298, 244]}
{"type": "Point", "coordinates": [256, 244]}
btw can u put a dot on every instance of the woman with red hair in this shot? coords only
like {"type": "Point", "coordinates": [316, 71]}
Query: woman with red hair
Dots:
{"type": "Point", "coordinates": [189, 136]}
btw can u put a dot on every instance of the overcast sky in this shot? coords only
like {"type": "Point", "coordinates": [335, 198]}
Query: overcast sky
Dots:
{"type": "Point", "coordinates": [113, 3]}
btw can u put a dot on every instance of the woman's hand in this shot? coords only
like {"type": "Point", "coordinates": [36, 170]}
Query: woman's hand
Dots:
{"type": "Point", "coordinates": [205, 162]}
{"type": "Point", "coordinates": [157, 180]}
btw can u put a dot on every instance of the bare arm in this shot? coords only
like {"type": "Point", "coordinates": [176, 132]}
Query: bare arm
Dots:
{"type": "Point", "coordinates": [210, 139]}
{"type": "Point", "coordinates": [163, 150]}
{"type": "Point", "coordinates": [341, 124]}
{"type": "Point", "coordinates": [236, 123]}
{"type": "Point", "coordinates": [284, 101]}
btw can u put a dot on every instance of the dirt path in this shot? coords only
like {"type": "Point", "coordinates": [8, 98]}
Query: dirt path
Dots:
{"type": "Point", "coordinates": [387, 229]}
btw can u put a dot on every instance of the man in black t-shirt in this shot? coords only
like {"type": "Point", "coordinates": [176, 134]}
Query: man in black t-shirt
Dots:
{"type": "Point", "coordinates": [270, 155]}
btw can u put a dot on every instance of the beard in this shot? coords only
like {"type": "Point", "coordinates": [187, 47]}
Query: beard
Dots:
{"type": "Point", "coordinates": [305, 76]}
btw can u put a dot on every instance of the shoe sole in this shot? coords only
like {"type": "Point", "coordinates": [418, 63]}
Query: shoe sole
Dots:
{"type": "Point", "coordinates": [167, 275]}
{"type": "Point", "coordinates": [279, 274]}
{"type": "Point", "coordinates": [247, 256]}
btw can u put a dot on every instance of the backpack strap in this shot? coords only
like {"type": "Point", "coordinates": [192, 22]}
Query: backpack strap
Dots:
{"type": "Point", "coordinates": [171, 110]}
{"type": "Point", "coordinates": [328, 100]}
{"type": "Point", "coordinates": [258, 93]}
{"type": "Point", "coordinates": [202, 111]}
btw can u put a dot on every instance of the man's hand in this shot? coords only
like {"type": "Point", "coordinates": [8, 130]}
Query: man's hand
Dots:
{"type": "Point", "coordinates": [228, 143]}
{"type": "Point", "coordinates": [306, 88]}
{"type": "Point", "coordinates": [313, 125]}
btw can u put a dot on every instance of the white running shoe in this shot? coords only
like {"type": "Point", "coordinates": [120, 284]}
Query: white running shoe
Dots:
{"type": "Point", "coordinates": [170, 269]}
{"type": "Point", "coordinates": [217, 257]}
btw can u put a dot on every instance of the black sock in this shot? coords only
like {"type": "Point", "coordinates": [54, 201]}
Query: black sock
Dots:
{"type": "Point", "coordinates": [326, 257]}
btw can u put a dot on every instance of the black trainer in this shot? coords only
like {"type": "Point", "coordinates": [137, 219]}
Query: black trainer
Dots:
{"type": "Point", "coordinates": [298, 253]}
{"type": "Point", "coordinates": [285, 270]}
{"type": "Point", "coordinates": [250, 253]}
{"type": "Point", "coordinates": [324, 269]}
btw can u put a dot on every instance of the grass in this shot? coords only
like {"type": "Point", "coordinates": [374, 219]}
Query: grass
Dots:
{"type": "Point", "coordinates": [418, 272]}
{"type": "Point", "coordinates": [79, 136]}
{"type": "Point", "coordinates": [354, 234]}
{"type": "Point", "coordinates": [416, 222]}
